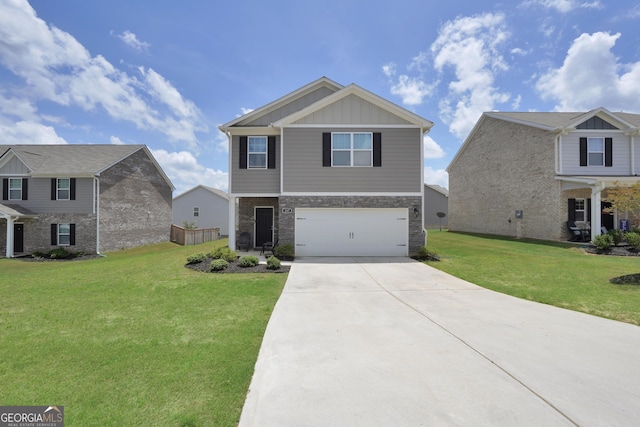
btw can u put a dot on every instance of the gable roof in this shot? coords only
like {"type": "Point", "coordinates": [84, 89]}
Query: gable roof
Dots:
{"type": "Point", "coordinates": [77, 160]}
{"type": "Point", "coordinates": [212, 190]}
{"type": "Point", "coordinates": [557, 122]}
{"type": "Point", "coordinates": [438, 189]}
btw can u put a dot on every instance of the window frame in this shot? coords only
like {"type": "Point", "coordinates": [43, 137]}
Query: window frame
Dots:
{"type": "Point", "coordinates": [58, 189]}
{"type": "Point", "coordinates": [61, 234]}
{"type": "Point", "coordinates": [9, 197]}
{"type": "Point", "coordinates": [264, 153]}
{"type": "Point", "coordinates": [580, 212]}
{"type": "Point", "coordinates": [196, 211]}
{"type": "Point", "coordinates": [352, 150]}
{"type": "Point", "coordinates": [600, 153]}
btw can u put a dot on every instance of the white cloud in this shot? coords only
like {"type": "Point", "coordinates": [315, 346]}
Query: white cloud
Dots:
{"type": "Point", "coordinates": [436, 176]}
{"type": "Point", "coordinates": [27, 132]}
{"type": "Point", "coordinates": [563, 6]}
{"type": "Point", "coordinates": [185, 172]}
{"type": "Point", "coordinates": [131, 40]}
{"type": "Point", "coordinates": [57, 68]}
{"type": "Point", "coordinates": [470, 46]}
{"type": "Point", "coordinates": [411, 90]}
{"type": "Point", "coordinates": [116, 141]}
{"type": "Point", "coordinates": [389, 69]}
{"type": "Point", "coordinates": [432, 149]}
{"type": "Point", "coordinates": [591, 76]}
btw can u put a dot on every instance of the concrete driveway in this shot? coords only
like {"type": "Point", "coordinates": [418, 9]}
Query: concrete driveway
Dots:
{"type": "Point", "coordinates": [393, 342]}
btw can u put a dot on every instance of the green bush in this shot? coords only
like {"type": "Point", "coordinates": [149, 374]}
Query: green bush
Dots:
{"type": "Point", "coordinates": [633, 240]}
{"type": "Point", "coordinates": [196, 258]}
{"type": "Point", "coordinates": [616, 235]}
{"type": "Point", "coordinates": [603, 241]}
{"type": "Point", "coordinates": [284, 251]}
{"type": "Point", "coordinates": [225, 253]}
{"type": "Point", "coordinates": [426, 254]}
{"type": "Point", "coordinates": [273, 263]}
{"type": "Point", "coordinates": [59, 253]}
{"type": "Point", "coordinates": [218, 265]}
{"type": "Point", "coordinates": [248, 261]}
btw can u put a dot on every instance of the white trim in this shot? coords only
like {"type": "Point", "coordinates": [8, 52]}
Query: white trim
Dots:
{"type": "Point", "coordinates": [397, 194]}
{"type": "Point", "coordinates": [358, 126]}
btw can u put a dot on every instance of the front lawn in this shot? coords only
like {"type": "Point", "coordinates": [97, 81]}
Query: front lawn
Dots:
{"type": "Point", "coordinates": [552, 273]}
{"type": "Point", "coordinates": [133, 338]}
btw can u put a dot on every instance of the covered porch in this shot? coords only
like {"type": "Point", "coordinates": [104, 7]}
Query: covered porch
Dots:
{"type": "Point", "coordinates": [14, 235]}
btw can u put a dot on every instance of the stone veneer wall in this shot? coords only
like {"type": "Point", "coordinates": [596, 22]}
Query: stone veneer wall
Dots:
{"type": "Point", "coordinates": [504, 168]}
{"type": "Point", "coordinates": [287, 220]}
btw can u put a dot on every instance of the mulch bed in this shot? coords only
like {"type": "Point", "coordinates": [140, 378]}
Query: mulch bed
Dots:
{"type": "Point", "coordinates": [235, 268]}
{"type": "Point", "coordinates": [613, 250]}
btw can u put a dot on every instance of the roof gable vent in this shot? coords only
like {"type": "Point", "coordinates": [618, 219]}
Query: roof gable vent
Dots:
{"type": "Point", "coordinates": [595, 122]}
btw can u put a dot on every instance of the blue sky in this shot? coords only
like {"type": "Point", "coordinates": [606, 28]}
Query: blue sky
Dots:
{"type": "Point", "coordinates": [166, 73]}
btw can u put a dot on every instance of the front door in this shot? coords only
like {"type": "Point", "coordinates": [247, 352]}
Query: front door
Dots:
{"type": "Point", "coordinates": [18, 238]}
{"type": "Point", "coordinates": [264, 226]}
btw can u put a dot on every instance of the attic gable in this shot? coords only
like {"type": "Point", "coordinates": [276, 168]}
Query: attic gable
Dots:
{"type": "Point", "coordinates": [10, 164]}
{"type": "Point", "coordinates": [596, 123]}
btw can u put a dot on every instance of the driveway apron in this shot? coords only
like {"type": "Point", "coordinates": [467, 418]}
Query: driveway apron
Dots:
{"type": "Point", "coordinates": [393, 342]}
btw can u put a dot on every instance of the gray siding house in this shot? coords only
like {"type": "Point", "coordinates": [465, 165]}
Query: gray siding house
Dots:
{"type": "Point", "coordinates": [206, 207]}
{"type": "Point", "coordinates": [436, 200]}
{"type": "Point", "coordinates": [89, 198]}
{"type": "Point", "coordinates": [527, 174]}
{"type": "Point", "coordinates": [331, 169]}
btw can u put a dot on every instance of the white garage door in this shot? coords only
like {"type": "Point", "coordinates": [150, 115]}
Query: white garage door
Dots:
{"type": "Point", "coordinates": [351, 232]}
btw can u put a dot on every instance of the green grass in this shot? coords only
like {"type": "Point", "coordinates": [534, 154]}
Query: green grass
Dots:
{"type": "Point", "coordinates": [132, 339]}
{"type": "Point", "coordinates": [558, 274]}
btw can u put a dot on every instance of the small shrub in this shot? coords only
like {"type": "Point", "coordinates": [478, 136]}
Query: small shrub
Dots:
{"type": "Point", "coordinates": [196, 258]}
{"type": "Point", "coordinates": [426, 254]}
{"type": "Point", "coordinates": [616, 236]}
{"type": "Point", "coordinates": [273, 263]}
{"type": "Point", "coordinates": [218, 265]}
{"type": "Point", "coordinates": [284, 251]}
{"type": "Point", "coordinates": [225, 253]}
{"type": "Point", "coordinates": [248, 261]}
{"type": "Point", "coordinates": [38, 254]}
{"type": "Point", "coordinates": [59, 253]}
{"type": "Point", "coordinates": [633, 240]}
{"type": "Point", "coordinates": [603, 242]}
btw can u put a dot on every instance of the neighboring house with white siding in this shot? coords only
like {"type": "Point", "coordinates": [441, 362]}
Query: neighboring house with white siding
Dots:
{"type": "Point", "coordinates": [527, 174]}
{"type": "Point", "coordinates": [205, 207]}
{"type": "Point", "coordinates": [86, 198]}
{"type": "Point", "coordinates": [436, 200]}
{"type": "Point", "coordinates": [331, 169]}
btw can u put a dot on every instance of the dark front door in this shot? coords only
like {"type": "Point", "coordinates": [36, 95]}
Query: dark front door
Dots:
{"type": "Point", "coordinates": [264, 226]}
{"type": "Point", "coordinates": [607, 217]}
{"type": "Point", "coordinates": [18, 238]}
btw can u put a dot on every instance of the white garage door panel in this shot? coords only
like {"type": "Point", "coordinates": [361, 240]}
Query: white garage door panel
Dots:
{"type": "Point", "coordinates": [351, 232]}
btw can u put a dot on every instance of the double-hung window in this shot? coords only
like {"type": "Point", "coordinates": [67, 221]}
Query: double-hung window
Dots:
{"type": "Point", "coordinates": [64, 234]}
{"type": "Point", "coordinates": [352, 149]}
{"type": "Point", "coordinates": [196, 211]}
{"type": "Point", "coordinates": [64, 189]}
{"type": "Point", "coordinates": [595, 147]}
{"type": "Point", "coordinates": [257, 152]}
{"type": "Point", "coordinates": [15, 188]}
{"type": "Point", "coordinates": [580, 210]}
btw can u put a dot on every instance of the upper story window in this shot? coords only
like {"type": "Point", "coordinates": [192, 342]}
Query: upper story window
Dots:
{"type": "Point", "coordinates": [64, 189]}
{"type": "Point", "coordinates": [196, 211]}
{"type": "Point", "coordinates": [595, 149]}
{"type": "Point", "coordinates": [257, 152]}
{"type": "Point", "coordinates": [15, 188]}
{"type": "Point", "coordinates": [352, 149]}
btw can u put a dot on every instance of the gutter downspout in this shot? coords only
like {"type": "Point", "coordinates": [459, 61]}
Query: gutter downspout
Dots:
{"type": "Point", "coordinates": [96, 195]}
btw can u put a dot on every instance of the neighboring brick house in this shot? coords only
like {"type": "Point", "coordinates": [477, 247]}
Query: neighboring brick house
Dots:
{"type": "Point", "coordinates": [205, 207]}
{"type": "Point", "coordinates": [436, 201]}
{"type": "Point", "coordinates": [89, 198]}
{"type": "Point", "coordinates": [527, 174]}
{"type": "Point", "coordinates": [331, 169]}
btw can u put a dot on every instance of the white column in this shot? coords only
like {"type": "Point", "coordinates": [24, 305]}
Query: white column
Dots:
{"type": "Point", "coordinates": [232, 222]}
{"type": "Point", "coordinates": [9, 237]}
{"type": "Point", "coordinates": [596, 210]}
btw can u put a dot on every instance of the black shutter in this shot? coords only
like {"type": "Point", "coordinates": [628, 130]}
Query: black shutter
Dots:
{"type": "Point", "coordinates": [243, 152]}
{"type": "Point", "coordinates": [5, 189]}
{"type": "Point", "coordinates": [72, 234]}
{"type": "Point", "coordinates": [326, 149]}
{"type": "Point", "coordinates": [72, 189]}
{"type": "Point", "coordinates": [377, 149]}
{"type": "Point", "coordinates": [572, 210]}
{"type": "Point", "coordinates": [608, 152]}
{"type": "Point", "coordinates": [54, 189]}
{"type": "Point", "coordinates": [25, 189]}
{"type": "Point", "coordinates": [583, 151]}
{"type": "Point", "coordinates": [54, 234]}
{"type": "Point", "coordinates": [588, 209]}
{"type": "Point", "coordinates": [271, 152]}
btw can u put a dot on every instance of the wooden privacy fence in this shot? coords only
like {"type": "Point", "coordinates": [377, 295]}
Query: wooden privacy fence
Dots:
{"type": "Point", "coordinates": [183, 236]}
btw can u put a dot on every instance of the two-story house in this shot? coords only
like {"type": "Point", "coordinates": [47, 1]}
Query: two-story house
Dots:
{"type": "Point", "coordinates": [527, 174]}
{"type": "Point", "coordinates": [88, 198]}
{"type": "Point", "coordinates": [334, 170]}
{"type": "Point", "coordinates": [203, 207]}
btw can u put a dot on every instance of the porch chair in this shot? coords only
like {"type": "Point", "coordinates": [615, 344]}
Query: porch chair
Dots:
{"type": "Point", "coordinates": [576, 234]}
{"type": "Point", "coordinates": [244, 241]}
{"type": "Point", "coordinates": [269, 246]}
